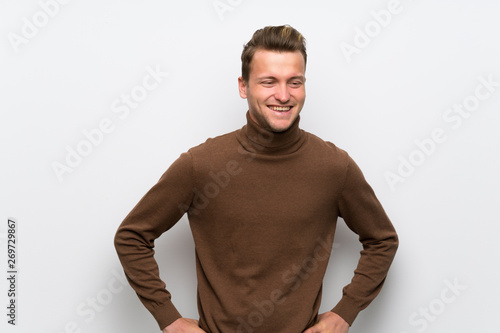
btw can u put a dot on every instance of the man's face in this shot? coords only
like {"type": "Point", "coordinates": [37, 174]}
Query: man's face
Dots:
{"type": "Point", "coordinates": [275, 90]}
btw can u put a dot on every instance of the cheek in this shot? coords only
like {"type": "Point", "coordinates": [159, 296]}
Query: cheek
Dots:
{"type": "Point", "coordinates": [301, 95]}
{"type": "Point", "coordinates": [261, 96]}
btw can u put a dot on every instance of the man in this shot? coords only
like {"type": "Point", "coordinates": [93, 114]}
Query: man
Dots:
{"type": "Point", "coordinates": [262, 204]}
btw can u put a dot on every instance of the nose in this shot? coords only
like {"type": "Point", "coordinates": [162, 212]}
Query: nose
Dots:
{"type": "Point", "coordinates": [282, 94]}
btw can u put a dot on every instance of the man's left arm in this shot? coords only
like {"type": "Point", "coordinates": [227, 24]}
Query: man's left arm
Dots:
{"type": "Point", "coordinates": [329, 322]}
{"type": "Point", "coordinates": [364, 215]}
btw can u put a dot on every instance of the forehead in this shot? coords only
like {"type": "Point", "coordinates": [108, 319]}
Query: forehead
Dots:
{"type": "Point", "coordinates": [265, 62]}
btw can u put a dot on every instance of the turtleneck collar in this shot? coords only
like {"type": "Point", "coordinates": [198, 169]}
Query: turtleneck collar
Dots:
{"type": "Point", "coordinates": [256, 139]}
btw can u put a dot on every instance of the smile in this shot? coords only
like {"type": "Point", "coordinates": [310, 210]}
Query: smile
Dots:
{"type": "Point", "coordinates": [280, 108]}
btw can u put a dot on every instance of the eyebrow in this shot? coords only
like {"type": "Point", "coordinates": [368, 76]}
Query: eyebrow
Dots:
{"type": "Point", "coordinates": [270, 77]}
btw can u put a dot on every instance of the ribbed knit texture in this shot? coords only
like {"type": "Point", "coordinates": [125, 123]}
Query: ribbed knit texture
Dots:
{"type": "Point", "coordinates": [262, 207]}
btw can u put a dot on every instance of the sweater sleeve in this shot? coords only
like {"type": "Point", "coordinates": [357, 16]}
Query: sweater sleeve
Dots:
{"type": "Point", "coordinates": [160, 208]}
{"type": "Point", "coordinates": [365, 216]}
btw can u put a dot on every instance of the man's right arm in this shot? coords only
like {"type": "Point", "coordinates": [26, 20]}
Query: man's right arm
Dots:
{"type": "Point", "coordinates": [156, 212]}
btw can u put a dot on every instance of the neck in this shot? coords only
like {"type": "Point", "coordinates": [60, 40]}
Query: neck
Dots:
{"type": "Point", "coordinates": [258, 139]}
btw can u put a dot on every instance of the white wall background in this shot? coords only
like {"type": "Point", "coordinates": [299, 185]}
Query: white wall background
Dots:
{"type": "Point", "coordinates": [65, 69]}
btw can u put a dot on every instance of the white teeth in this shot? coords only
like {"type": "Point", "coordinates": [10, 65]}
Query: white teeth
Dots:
{"type": "Point", "coordinates": [280, 108]}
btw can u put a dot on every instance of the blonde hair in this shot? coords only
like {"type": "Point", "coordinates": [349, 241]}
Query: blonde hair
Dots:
{"type": "Point", "coordinates": [282, 38]}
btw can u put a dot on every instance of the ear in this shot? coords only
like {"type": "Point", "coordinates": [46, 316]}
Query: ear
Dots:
{"type": "Point", "coordinates": [242, 86]}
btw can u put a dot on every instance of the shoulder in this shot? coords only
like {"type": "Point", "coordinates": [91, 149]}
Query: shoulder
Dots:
{"type": "Point", "coordinates": [339, 162]}
{"type": "Point", "coordinates": [215, 145]}
{"type": "Point", "coordinates": [214, 154]}
{"type": "Point", "coordinates": [327, 149]}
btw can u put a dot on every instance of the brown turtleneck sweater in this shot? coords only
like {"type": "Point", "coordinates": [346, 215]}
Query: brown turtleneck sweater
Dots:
{"type": "Point", "coordinates": [262, 207]}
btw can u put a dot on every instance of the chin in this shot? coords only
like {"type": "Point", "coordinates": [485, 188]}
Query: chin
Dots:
{"type": "Point", "coordinates": [280, 127]}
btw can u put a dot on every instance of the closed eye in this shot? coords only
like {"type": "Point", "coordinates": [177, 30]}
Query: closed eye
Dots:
{"type": "Point", "coordinates": [267, 83]}
{"type": "Point", "coordinates": [296, 84]}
